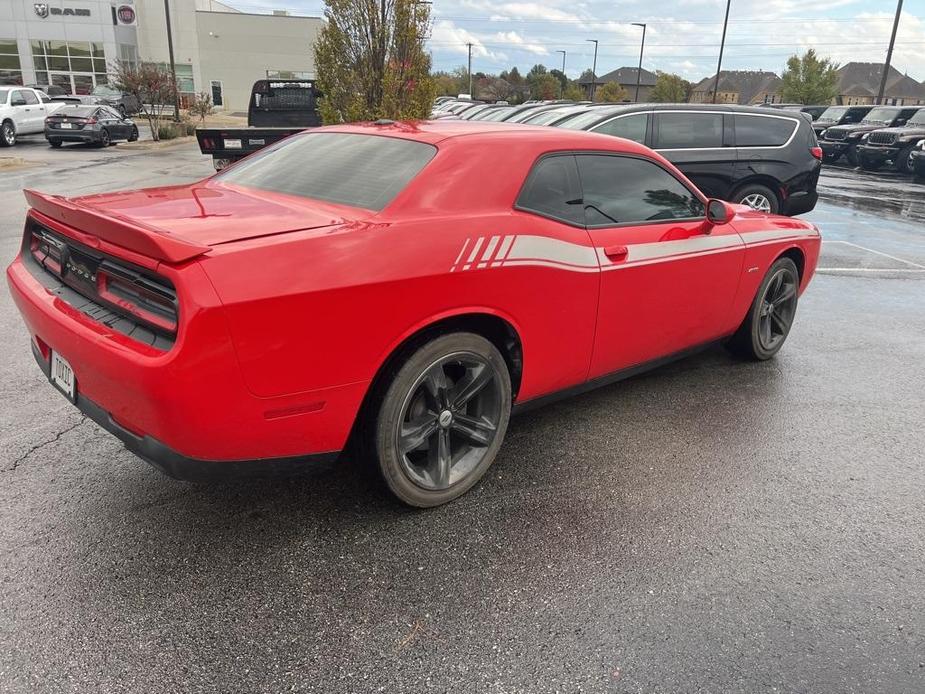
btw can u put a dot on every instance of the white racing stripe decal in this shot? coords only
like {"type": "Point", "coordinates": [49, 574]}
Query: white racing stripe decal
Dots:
{"type": "Point", "coordinates": [542, 251]}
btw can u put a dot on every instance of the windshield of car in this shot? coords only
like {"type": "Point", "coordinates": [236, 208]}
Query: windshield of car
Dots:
{"type": "Point", "coordinates": [582, 120]}
{"type": "Point", "coordinates": [918, 118]}
{"type": "Point", "coordinates": [3, 95]}
{"type": "Point", "coordinates": [103, 90]}
{"type": "Point", "coordinates": [498, 113]}
{"type": "Point", "coordinates": [833, 113]}
{"type": "Point", "coordinates": [881, 116]}
{"type": "Point", "coordinates": [357, 170]}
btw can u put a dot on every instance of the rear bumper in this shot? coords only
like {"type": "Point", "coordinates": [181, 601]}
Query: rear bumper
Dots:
{"type": "Point", "coordinates": [186, 409]}
{"type": "Point", "coordinates": [181, 467]}
{"type": "Point", "coordinates": [72, 135]}
{"type": "Point", "coordinates": [800, 203]}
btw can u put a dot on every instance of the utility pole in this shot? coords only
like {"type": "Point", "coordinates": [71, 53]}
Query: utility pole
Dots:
{"type": "Point", "coordinates": [642, 47]}
{"type": "Point", "coordinates": [722, 43]}
{"type": "Point", "coordinates": [173, 67]}
{"type": "Point", "coordinates": [593, 69]}
{"type": "Point", "coordinates": [469, 45]}
{"type": "Point", "coordinates": [889, 53]}
{"type": "Point", "coordinates": [562, 88]}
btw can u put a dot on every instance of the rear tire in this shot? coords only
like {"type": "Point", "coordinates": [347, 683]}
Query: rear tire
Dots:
{"type": "Point", "coordinates": [758, 197]}
{"type": "Point", "coordinates": [7, 134]}
{"type": "Point", "coordinates": [55, 144]}
{"type": "Point", "coordinates": [105, 140]}
{"type": "Point", "coordinates": [133, 137]}
{"type": "Point", "coordinates": [764, 330]}
{"type": "Point", "coordinates": [442, 419]}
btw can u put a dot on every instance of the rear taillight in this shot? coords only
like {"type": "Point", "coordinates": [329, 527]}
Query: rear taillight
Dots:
{"type": "Point", "coordinates": [141, 296]}
{"type": "Point", "coordinates": [47, 251]}
{"type": "Point", "coordinates": [89, 121]}
{"type": "Point", "coordinates": [816, 152]}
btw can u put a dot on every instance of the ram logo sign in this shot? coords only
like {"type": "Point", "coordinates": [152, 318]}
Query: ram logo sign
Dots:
{"type": "Point", "coordinates": [41, 9]}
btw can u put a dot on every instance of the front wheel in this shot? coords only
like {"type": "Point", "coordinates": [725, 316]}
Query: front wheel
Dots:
{"type": "Point", "coordinates": [757, 197]}
{"type": "Point", "coordinates": [904, 162]}
{"type": "Point", "coordinates": [133, 136]}
{"type": "Point", "coordinates": [7, 135]}
{"type": "Point", "coordinates": [771, 315]}
{"type": "Point", "coordinates": [852, 155]}
{"type": "Point", "coordinates": [869, 165]}
{"type": "Point", "coordinates": [442, 419]}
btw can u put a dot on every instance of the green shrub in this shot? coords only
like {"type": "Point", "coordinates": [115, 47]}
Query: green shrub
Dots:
{"type": "Point", "coordinates": [167, 131]}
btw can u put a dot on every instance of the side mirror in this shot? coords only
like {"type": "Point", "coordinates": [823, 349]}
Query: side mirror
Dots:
{"type": "Point", "coordinates": [717, 212]}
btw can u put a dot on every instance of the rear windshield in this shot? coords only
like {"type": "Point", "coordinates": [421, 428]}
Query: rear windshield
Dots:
{"type": "Point", "coordinates": [78, 111]}
{"type": "Point", "coordinates": [365, 171]}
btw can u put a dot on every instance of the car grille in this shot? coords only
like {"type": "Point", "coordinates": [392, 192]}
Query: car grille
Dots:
{"type": "Point", "coordinates": [836, 134]}
{"type": "Point", "coordinates": [878, 138]}
{"type": "Point", "coordinates": [127, 299]}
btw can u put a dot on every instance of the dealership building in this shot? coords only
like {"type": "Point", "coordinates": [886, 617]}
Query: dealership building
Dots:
{"type": "Point", "coordinates": [217, 49]}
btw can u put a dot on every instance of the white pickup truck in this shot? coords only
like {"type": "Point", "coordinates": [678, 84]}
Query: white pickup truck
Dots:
{"type": "Point", "coordinates": [23, 112]}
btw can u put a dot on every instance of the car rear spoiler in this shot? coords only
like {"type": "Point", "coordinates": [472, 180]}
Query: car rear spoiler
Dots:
{"type": "Point", "coordinates": [117, 230]}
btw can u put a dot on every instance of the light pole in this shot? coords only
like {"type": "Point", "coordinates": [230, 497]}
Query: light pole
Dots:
{"type": "Point", "coordinates": [889, 54]}
{"type": "Point", "coordinates": [469, 45]}
{"type": "Point", "coordinates": [593, 69]}
{"type": "Point", "coordinates": [642, 47]}
{"type": "Point", "coordinates": [722, 43]}
{"type": "Point", "coordinates": [173, 68]}
{"type": "Point", "coordinates": [561, 87]}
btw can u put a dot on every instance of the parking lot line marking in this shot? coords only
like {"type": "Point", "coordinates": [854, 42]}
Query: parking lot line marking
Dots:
{"type": "Point", "coordinates": [868, 269]}
{"type": "Point", "coordinates": [885, 255]}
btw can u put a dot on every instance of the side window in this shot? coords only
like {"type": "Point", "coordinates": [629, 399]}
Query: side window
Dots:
{"type": "Point", "coordinates": [623, 190]}
{"type": "Point", "coordinates": [109, 113]}
{"type": "Point", "coordinates": [18, 95]}
{"type": "Point", "coordinates": [762, 131]}
{"type": "Point", "coordinates": [630, 127]}
{"type": "Point", "coordinates": [30, 97]}
{"type": "Point", "coordinates": [552, 190]}
{"type": "Point", "coordinates": [689, 130]}
{"type": "Point", "coordinates": [855, 115]}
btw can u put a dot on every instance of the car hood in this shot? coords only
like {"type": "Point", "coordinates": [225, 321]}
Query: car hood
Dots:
{"type": "Point", "coordinates": [856, 128]}
{"type": "Point", "coordinates": [905, 130]}
{"type": "Point", "coordinates": [211, 213]}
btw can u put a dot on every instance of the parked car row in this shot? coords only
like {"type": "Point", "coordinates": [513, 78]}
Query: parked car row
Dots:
{"type": "Point", "coordinates": [767, 159]}
{"type": "Point", "coordinates": [28, 111]}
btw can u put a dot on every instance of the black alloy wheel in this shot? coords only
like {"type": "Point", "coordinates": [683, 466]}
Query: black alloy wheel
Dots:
{"type": "Point", "coordinates": [904, 162]}
{"type": "Point", "coordinates": [771, 314]}
{"type": "Point", "coordinates": [104, 138]}
{"type": "Point", "coordinates": [133, 136]}
{"type": "Point", "coordinates": [443, 418]}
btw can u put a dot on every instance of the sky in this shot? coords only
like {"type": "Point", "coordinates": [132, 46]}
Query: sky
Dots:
{"type": "Point", "coordinates": [682, 36]}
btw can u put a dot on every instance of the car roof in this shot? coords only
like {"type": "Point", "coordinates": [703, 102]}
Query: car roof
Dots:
{"type": "Point", "coordinates": [437, 131]}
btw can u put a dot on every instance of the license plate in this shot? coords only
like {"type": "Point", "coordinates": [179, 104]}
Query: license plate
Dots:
{"type": "Point", "coordinates": [67, 125]}
{"type": "Point", "coordinates": [232, 144]}
{"type": "Point", "coordinates": [62, 376]}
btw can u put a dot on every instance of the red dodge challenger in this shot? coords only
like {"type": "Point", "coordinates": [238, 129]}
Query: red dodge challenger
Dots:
{"type": "Point", "coordinates": [405, 284]}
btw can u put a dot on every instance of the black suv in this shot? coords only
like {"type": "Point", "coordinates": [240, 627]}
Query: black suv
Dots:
{"type": "Point", "coordinates": [839, 115]}
{"type": "Point", "coordinates": [893, 145]}
{"type": "Point", "coordinates": [843, 140]}
{"type": "Point", "coordinates": [767, 159]}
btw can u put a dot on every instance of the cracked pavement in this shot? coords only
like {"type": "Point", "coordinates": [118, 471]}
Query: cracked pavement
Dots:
{"type": "Point", "coordinates": [712, 526]}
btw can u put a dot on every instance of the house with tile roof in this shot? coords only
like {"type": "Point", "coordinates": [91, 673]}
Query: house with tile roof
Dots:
{"type": "Point", "coordinates": [858, 84]}
{"type": "Point", "coordinates": [626, 78]}
{"type": "Point", "coordinates": [739, 87]}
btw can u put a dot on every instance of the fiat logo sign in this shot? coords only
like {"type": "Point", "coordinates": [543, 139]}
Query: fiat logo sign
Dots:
{"type": "Point", "coordinates": [126, 14]}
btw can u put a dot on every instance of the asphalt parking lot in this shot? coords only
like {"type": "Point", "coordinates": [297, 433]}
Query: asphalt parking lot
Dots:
{"type": "Point", "coordinates": [713, 526]}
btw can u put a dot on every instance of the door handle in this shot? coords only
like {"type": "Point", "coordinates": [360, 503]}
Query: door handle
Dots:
{"type": "Point", "coordinates": [616, 253]}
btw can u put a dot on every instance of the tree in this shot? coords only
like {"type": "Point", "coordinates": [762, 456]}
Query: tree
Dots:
{"type": "Point", "coordinates": [151, 84]}
{"type": "Point", "coordinates": [369, 68]}
{"type": "Point", "coordinates": [670, 89]}
{"type": "Point", "coordinates": [201, 106]}
{"type": "Point", "coordinates": [809, 79]}
{"type": "Point", "coordinates": [611, 91]}
{"type": "Point", "coordinates": [544, 87]}
{"type": "Point", "coordinates": [563, 80]}
{"type": "Point", "coordinates": [574, 92]}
